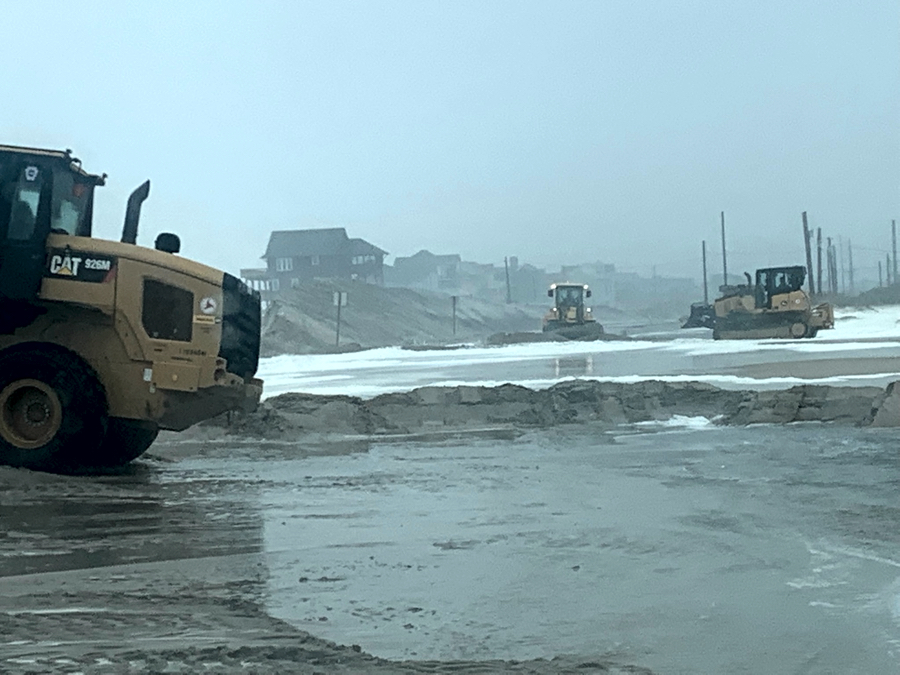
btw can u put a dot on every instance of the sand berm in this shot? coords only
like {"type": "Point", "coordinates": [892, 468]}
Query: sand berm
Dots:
{"type": "Point", "coordinates": [428, 411]}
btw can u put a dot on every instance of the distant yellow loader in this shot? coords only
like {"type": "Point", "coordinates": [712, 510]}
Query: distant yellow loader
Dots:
{"type": "Point", "coordinates": [569, 315]}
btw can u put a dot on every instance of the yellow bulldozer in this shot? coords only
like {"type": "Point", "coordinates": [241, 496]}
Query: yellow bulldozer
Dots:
{"type": "Point", "coordinates": [775, 306]}
{"type": "Point", "coordinates": [104, 343]}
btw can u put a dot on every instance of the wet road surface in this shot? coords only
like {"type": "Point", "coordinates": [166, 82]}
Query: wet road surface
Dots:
{"type": "Point", "coordinates": [686, 550]}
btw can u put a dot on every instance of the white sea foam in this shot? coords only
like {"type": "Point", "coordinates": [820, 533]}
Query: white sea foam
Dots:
{"type": "Point", "coordinates": [679, 422]}
{"type": "Point", "coordinates": [861, 554]}
{"type": "Point", "coordinates": [369, 373]}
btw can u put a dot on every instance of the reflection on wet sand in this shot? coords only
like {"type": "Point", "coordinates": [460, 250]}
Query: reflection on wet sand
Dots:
{"type": "Point", "coordinates": [629, 540]}
{"type": "Point", "coordinates": [576, 366]}
{"type": "Point", "coordinates": [57, 523]}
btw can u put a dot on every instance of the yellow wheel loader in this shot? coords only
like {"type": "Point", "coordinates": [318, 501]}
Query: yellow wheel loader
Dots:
{"type": "Point", "coordinates": [104, 343]}
{"type": "Point", "coordinates": [569, 315]}
{"type": "Point", "coordinates": [775, 306]}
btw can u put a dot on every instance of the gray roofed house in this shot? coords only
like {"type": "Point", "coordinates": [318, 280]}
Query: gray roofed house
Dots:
{"type": "Point", "coordinates": [362, 247]}
{"type": "Point", "coordinates": [294, 256]}
{"type": "Point", "coordinates": [426, 270]}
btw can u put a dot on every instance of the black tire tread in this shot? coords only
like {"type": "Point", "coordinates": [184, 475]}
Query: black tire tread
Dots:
{"type": "Point", "coordinates": [125, 440]}
{"type": "Point", "coordinates": [83, 400]}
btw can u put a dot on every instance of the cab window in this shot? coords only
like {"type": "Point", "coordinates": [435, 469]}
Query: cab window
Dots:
{"type": "Point", "coordinates": [25, 200]}
{"type": "Point", "coordinates": [167, 312]}
{"type": "Point", "coordinates": [70, 200]}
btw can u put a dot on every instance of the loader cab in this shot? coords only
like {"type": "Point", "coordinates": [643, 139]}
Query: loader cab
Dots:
{"type": "Point", "coordinates": [568, 301]}
{"type": "Point", "coordinates": [569, 295]}
{"type": "Point", "coordinates": [774, 281]}
{"type": "Point", "coordinates": [41, 192]}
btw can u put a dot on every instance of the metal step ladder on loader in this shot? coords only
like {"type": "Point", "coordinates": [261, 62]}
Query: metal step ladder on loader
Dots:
{"type": "Point", "coordinates": [104, 343]}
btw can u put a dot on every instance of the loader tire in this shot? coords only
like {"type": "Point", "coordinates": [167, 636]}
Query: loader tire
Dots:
{"type": "Point", "coordinates": [799, 330]}
{"type": "Point", "coordinates": [125, 440]}
{"type": "Point", "coordinates": [53, 410]}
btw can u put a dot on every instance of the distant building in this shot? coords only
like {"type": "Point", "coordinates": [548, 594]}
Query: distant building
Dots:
{"type": "Point", "coordinates": [425, 270]}
{"type": "Point", "coordinates": [599, 276]}
{"type": "Point", "coordinates": [657, 296]}
{"type": "Point", "coordinates": [257, 279]}
{"type": "Point", "coordinates": [295, 256]}
{"type": "Point", "coordinates": [528, 284]}
{"type": "Point", "coordinates": [484, 280]}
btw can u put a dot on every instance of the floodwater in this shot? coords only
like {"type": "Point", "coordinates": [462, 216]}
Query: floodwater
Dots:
{"type": "Point", "coordinates": [693, 550]}
{"type": "Point", "coordinates": [685, 548]}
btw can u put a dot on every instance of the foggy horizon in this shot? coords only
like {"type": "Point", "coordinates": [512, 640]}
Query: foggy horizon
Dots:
{"type": "Point", "coordinates": [560, 133]}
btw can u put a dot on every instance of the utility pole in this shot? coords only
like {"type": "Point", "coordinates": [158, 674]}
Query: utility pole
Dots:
{"type": "Point", "coordinates": [705, 285]}
{"type": "Point", "coordinates": [837, 277]}
{"type": "Point", "coordinates": [508, 288]}
{"type": "Point", "coordinates": [724, 257]}
{"type": "Point", "coordinates": [809, 266]}
{"type": "Point", "coordinates": [455, 298]}
{"type": "Point", "coordinates": [819, 259]}
{"type": "Point", "coordinates": [832, 268]}
{"type": "Point", "coordinates": [887, 269]}
{"type": "Point", "coordinates": [850, 264]}
{"type": "Point", "coordinates": [840, 257]}
{"type": "Point", "coordinates": [340, 300]}
{"type": "Point", "coordinates": [894, 248]}
{"type": "Point", "coordinates": [834, 261]}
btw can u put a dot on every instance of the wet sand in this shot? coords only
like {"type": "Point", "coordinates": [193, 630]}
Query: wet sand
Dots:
{"type": "Point", "coordinates": [586, 548]}
{"type": "Point", "coordinates": [446, 410]}
{"type": "Point", "coordinates": [822, 368]}
{"type": "Point", "coordinates": [159, 570]}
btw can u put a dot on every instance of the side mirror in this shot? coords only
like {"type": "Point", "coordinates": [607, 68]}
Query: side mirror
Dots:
{"type": "Point", "coordinates": [588, 292]}
{"type": "Point", "coordinates": [550, 293]}
{"type": "Point", "coordinates": [168, 243]}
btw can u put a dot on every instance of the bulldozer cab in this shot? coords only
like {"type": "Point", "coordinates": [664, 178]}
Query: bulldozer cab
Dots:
{"type": "Point", "coordinates": [40, 192]}
{"type": "Point", "coordinates": [774, 281]}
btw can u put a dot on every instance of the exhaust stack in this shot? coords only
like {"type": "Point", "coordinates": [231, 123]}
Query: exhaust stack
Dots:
{"type": "Point", "coordinates": [133, 213]}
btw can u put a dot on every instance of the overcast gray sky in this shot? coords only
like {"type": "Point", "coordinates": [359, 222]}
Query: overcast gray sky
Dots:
{"type": "Point", "coordinates": [557, 131]}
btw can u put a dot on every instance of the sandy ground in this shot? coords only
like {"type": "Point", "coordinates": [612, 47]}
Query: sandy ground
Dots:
{"type": "Point", "coordinates": [303, 320]}
{"type": "Point", "coordinates": [430, 411]}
